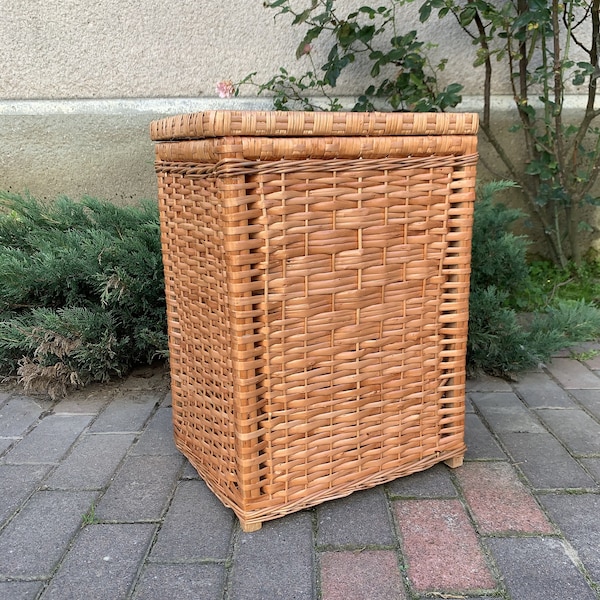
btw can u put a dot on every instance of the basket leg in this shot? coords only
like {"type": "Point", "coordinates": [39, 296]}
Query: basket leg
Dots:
{"type": "Point", "coordinates": [250, 527]}
{"type": "Point", "coordinates": [455, 461]}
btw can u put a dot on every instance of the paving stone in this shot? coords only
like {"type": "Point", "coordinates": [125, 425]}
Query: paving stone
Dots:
{"type": "Point", "coordinates": [20, 413]}
{"type": "Point", "coordinates": [441, 548]}
{"type": "Point", "coordinates": [367, 575]}
{"type": "Point", "coordinates": [125, 413]}
{"type": "Point", "coordinates": [50, 440]}
{"type": "Point", "coordinates": [544, 462]}
{"type": "Point", "coordinates": [181, 582]}
{"type": "Point", "coordinates": [275, 562]}
{"type": "Point", "coordinates": [196, 527]}
{"type": "Point", "coordinates": [20, 590]}
{"type": "Point", "coordinates": [356, 520]}
{"type": "Point", "coordinates": [575, 428]}
{"type": "Point", "coordinates": [572, 375]}
{"type": "Point", "coordinates": [34, 541]}
{"type": "Point", "coordinates": [103, 562]}
{"type": "Point", "coordinates": [590, 399]}
{"type": "Point", "coordinates": [6, 443]}
{"type": "Point", "coordinates": [480, 442]}
{"type": "Point", "coordinates": [487, 383]}
{"type": "Point", "coordinates": [538, 569]}
{"type": "Point", "coordinates": [593, 467]}
{"type": "Point", "coordinates": [499, 502]}
{"type": "Point", "coordinates": [577, 517]}
{"type": "Point", "coordinates": [84, 402]}
{"type": "Point", "coordinates": [434, 482]}
{"type": "Point", "coordinates": [18, 482]}
{"type": "Point", "coordinates": [140, 490]}
{"type": "Point", "coordinates": [157, 438]}
{"type": "Point", "coordinates": [189, 472]}
{"type": "Point", "coordinates": [92, 462]}
{"type": "Point", "coordinates": [539, 390]}
{"type": "Point", "coordinates": [505, 413]}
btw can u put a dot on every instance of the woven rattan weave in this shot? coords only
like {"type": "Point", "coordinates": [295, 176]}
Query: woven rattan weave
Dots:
{"type": "Point", "coordinates": [317, 275]}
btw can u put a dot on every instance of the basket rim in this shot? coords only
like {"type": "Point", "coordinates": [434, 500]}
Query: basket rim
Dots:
{"type": "Point", "coordinates": [220, 123]}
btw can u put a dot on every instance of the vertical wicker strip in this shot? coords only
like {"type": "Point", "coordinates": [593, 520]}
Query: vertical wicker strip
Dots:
{"type": "Point", "coordinates": [317, 274]}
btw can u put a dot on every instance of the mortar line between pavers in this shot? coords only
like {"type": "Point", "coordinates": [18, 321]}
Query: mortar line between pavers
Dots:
{"type": "Point", "coordinates": [60, 561]}
{"type": "Point", "coordinates": [510, 458]}
{"type": "Point", "coordinates": [159, 523]}
{"type": "Point", "coordinates": [575, 456]}
{"type": "Point", "coordinates": [316, 554]}
{"type": "Point", "coordinates": [489, 559]}
{"type": "Point", "coordinates": [234, 540]}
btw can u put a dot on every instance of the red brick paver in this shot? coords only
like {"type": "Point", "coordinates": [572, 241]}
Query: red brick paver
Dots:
{"type": "Point", "coordinates": [441, 547]}
{"type": "Point", "coordinates": [366, 575]}
{"type": "Point", "coordinates": [499, 501]}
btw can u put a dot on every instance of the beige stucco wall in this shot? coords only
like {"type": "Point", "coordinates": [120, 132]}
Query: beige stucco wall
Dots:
{"type": "Point", "coordinates": [80, 81]}
{"type": "Point", "coordinates": [148, 48]}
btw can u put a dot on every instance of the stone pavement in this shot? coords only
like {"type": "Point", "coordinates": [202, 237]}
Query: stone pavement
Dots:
{"type": "Point", "coordinates": [96, 503]}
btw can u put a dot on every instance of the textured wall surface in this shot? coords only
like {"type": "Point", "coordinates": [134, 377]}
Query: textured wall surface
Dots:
{"type": "Point", "coordinates": [80, 81]}
{"type": "Point", "coordinates": [145, 48]}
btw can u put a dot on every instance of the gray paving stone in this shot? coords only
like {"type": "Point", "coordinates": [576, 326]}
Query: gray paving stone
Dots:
{"type": "Point", "coordinates": [538, 390]}
{"type": "Point", "coordinates": [480, 442]}
{"type": "Point", "coordinates": [49, 441]}
{"type": "Point", "coordinates": [103, 562]}
{"type": "Point", "coordinates": [6, 443]}
{"type": "Point", "coordinates": [84, 402]}
{"type": "Point", "coordinates": [181, 582]}
{"type": "Point", "coordinates": [34, 541]}
{"type": "Point", "coordinates": [275, 562]}
{"type": "Point", "coordinates": [157, 438]}
{"type": "Point", "coordinates": [590, 399]}
{"type": "Point", "coordinates": [20, 590]}
{"type": "Point", "coordinates": [20, 413]}
{"type": "Point", "coordinates": [505, 413]}
{"type": "Point", "coordinates": [487, 383]}
{"type": "Point", "coordinates": [356, 520]}
{"type": "Point", "coordinates": [189, 472]}
{"type": "Point", "coordinates": [125, 413]}
{"type": "Point", "coordinates": [538, 569]}
{"type": "Point", "coordinates": [544, 462]}
{"type": "Point", "coordinates": [431, 483]}
{"type": "Point", "coordinates": [196, 527]}
{"type": "Point", "coordinates": [141, 489]}
{"type": "Point", "coordinates": [593, 467]}
{"type": "Point", "coordinates": [576, 429]}
{"type": "Point", "coordinates": [18, 482]}
{"type": "Point", "coordinates": [572, 375]}
{"type": "Point", "coordinates": [577, 516]}
{"type": "Point", "coordinates": [92, 461]}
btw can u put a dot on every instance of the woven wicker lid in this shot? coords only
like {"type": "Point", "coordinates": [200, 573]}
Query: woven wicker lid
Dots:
{"type": "Point", "coordinates": [218, 123]}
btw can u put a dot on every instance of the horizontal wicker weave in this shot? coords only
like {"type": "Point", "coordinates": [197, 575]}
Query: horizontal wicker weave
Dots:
{"type": "Point", "coordinates": [317, 274]}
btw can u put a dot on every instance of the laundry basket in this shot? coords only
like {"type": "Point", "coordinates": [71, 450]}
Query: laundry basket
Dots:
{"type": "Point", "coordinates": [317, 284]}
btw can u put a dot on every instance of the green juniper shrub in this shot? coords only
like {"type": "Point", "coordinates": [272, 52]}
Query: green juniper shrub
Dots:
{"type": "Point", "coordinates": [81, 290]}
{"type": "Point", "coordinates": [82, 293]}
{"type": "Point", "coordinates": [501, 342]}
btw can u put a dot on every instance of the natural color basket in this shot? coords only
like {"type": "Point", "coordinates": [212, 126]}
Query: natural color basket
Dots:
{"type": "Point", "coordinates": [317, 276]}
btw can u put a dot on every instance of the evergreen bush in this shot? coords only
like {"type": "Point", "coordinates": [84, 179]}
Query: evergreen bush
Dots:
{"type": "Point", "coordinates": [501, 342]}
{"type": "Point", "coordinates": [81, 290]}
{"type": "Point", "coordinates": [82, 293]}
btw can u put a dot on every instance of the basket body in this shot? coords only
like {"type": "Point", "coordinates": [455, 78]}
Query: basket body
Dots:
{"type": "Point", "coordinates": [317, 278]}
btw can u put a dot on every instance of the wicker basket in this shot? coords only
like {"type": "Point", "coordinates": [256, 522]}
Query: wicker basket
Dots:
{"type": "Point", "coordinates": [317, 275]}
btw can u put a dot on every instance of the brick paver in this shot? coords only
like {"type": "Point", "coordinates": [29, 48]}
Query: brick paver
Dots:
{"type": "Point", "coordinates": [441, 548]}
{"type": "Point", "coordinates": [361, 575]}
{"type": "Point", "coordinates": [518, 521]}
{"type": "Point", "coordinates": [499, 502]}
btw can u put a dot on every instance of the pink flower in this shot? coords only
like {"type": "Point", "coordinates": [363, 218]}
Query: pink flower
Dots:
{"type": "Point", "coordinates": [225, 89]}
{"type": "Point", "coordinates": [307, 49]}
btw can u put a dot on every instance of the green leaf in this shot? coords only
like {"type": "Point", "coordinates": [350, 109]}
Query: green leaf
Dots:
{"type": "Point", "coordinates": [467, 15]}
